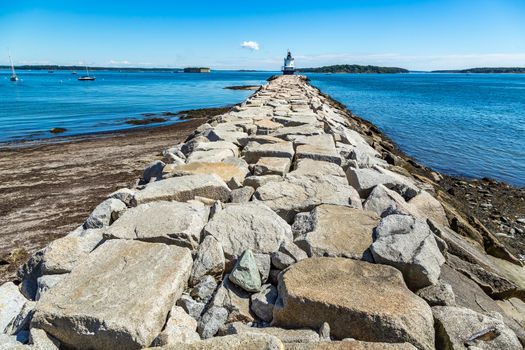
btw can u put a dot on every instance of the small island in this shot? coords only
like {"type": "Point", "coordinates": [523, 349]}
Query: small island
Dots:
{"type": "Point", "coordinates": [497, 70]}
{"type": "Point", "coordinates": [353, 68]}
{"type": "Point", "coordinates": [54, 68]}
{"type": "Point", "coordinates": [197, 70]}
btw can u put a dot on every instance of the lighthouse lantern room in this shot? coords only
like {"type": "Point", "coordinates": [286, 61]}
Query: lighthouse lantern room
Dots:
{"type": "Point", "coordinates": [289, 64]}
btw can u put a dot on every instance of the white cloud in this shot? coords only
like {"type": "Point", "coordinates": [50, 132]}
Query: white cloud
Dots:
{"type": "Point", "coordinates": [251, 45]}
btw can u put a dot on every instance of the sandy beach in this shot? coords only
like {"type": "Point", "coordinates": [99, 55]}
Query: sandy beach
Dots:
{"type": "Point", "coordinates": [49, 189]}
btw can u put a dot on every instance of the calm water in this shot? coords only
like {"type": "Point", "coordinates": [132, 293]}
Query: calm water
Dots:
{"type": "Point", "coordinates": [41, 101]}
{"type": "Point", "coordinates": [471, 125]}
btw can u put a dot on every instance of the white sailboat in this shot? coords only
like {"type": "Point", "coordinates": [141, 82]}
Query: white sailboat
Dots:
{"type": "Point", "coordinates": [87, 76]}
{"type": "Point", "coordinates": [13, 74]}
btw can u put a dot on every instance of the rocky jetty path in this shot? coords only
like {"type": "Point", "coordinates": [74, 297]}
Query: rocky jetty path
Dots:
{"type": "Point", "coordinates": [281, 224]}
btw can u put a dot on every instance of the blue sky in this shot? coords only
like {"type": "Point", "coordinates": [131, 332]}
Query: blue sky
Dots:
{"type": "Point", "coordinates": [418, 35]}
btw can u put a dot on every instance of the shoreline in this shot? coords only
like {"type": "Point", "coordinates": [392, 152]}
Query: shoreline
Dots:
{"type": "Point", "coordinates": [470, 195]}
{"type": "Point", "coordinates": [186, 115]}
{"type": "Point", "coordinates": [50, 188]}
{"type": "Point", "coordinates": [487, 204]}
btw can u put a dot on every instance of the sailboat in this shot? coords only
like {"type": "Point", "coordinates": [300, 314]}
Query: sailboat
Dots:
{"type": "Point", "coordinates": [87, 76]}
{"type": "Point", "coordinates": [13, 74]}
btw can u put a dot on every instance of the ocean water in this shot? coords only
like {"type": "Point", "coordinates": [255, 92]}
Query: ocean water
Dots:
{"type": "Point", "coordinates": [460, 124]}
{"type": "Point", "coordinates": [469, 125]}
{"type": "Point", "coordinates": [41, 101]}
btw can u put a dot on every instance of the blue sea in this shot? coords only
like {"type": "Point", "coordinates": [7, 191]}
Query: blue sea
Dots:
{"type": "Point", "coordinates": [460, 124]}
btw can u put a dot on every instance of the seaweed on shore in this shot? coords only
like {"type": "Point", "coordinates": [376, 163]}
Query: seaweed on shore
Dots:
{"type": "Point", "coordinates": [57, 130]}
{"type": "Point", "coordinates": [243, 87]}
{"type": "Point", "coordinates": [146, 121]}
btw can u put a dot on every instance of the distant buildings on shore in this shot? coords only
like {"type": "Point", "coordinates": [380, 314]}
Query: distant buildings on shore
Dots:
{"type": "Point", "coordinates": [197, 70]}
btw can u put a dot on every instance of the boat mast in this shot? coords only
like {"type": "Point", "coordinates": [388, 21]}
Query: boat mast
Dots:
{"type": "Point", "coordinates": [87, 71]}
{"type": "Point", "coordinates": [12, 66]}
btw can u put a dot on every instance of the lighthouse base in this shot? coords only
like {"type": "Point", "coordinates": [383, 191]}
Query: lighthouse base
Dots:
{"type": "Point", "coordinates": [288, 72]}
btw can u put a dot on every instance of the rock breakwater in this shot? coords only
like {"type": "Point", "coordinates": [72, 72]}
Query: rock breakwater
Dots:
{"type": "Point", "coordinates": [283, 223]}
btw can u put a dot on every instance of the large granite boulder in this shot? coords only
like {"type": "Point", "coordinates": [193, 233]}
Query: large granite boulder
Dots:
{"type": "Point", "coordinates": [296, 120]}
{"type": "Point", "coordinates": [19, 324]}
{"type": "Point", "coordinates": [300, 193]}
{"type": "Point", "coordinates": [292, 132]}
{"type": "Point", "coordinates": [287, 336]}
{"type": "Point", "coordinates": [362, 152]}
{"type": "Point", "coordinates": [46, 282]}
{"type": "Point", "coordinates": [210, 156]}
{"type": "Point", "coordinates": [211, 320]}
{"type": "Point", "coordinates": [316, 168]}
{"type": "Point", "coordinates": [469, 295]}
{"type": "Point", "coordinates": [262, 303]}
{"type": "Point", "coordinates": [461, 328]}
{"type": "Point", "coordinates": [334, 230]}
{"type": "Point", "coordinates": [254, 151]}
{"type": "Point", "coordinates": [364, 180]}
{"type": "Point", "coordinates": [247, 341]}
{"type": "Point", "coordinates": [162, 222]}
{"type": "Point", "coordinates": [105, 213]}
{"type": "Point", "coordinates": [183, 189]}
{"type": "Point", "coordinates": [226, 171]}
{"type": "Point", "coordinates": [180, 328]}
{"type": "Point", "coordinates": [197, 146]}
{"type": "Point", "coordinates": [11, 304]}
{"type": "Point", "coordinates": [319, 147]}
{"type": "Point", "coordinates": [253, 226]}
{"type": "Point", "coordinates": [272, 166]}
{"type": "Point", "coordinates": [350, 344]}
{"type": "Point", "coordinates": [409, 245]}
{"type": "Point", "coordinates": [217, 134]}
{"type": "Point", "coordinates": [515, 309]}
{"type": "Point", "coordinates": [118, 298]}
{"type": "Point", "coordinates": [497, 277]}
{"type": "Point", "coordinates": [10, 342]}
{"type": "Point", "coordinates": [429, 207]}
{"type": "Point", "coordinates": [61, 255]}
{"type": "Point", "coordinates": [357, 299]}
{"type": "Point", "coordinates": [153, 171]}
{"type": "Point", "coordinates": [386, 202]}
{"type": "Point", "coordinates": [234, 299]}
{"type": "Point", "coordinates": [209, 260]}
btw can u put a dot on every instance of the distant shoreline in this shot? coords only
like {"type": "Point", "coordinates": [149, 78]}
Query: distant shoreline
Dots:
{"type": "Point", "coordinates": [118, 69]}
{"type": "Point", "coordinates": [319, 70]}
{"type": "Point", "coordinates": [485, 70]}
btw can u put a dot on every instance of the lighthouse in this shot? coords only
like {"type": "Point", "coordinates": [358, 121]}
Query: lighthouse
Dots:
{"type": "Point", "coordinates": [289, 64]}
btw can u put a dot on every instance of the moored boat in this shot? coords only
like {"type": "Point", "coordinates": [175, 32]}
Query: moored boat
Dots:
{"type": "Point", "coordinates": [86, 77]}
{"type": "Point", "coordinates": [14, 77]}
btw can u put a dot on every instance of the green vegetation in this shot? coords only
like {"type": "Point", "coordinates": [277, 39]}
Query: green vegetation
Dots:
{"type": "Point", "coordinates": [514, 70]}
{"type": "Point", "coordinates": [353, 68]}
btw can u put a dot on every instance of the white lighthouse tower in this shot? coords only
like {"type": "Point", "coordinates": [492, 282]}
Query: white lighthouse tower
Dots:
{"type": "Point", "coordinates": [289, 64]}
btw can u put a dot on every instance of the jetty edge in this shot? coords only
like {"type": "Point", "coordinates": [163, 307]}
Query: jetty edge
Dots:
{"type": "Point", "coordinates": [280, 224]}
